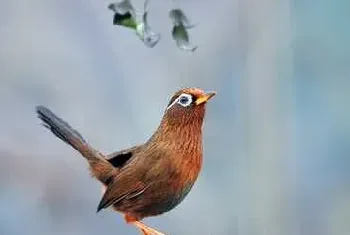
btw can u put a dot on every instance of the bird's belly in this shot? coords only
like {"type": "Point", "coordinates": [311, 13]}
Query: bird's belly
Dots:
{"type": "Point", "coordinates": [153, 202]}
{"type": "Point", "coordinates": [167, 204]}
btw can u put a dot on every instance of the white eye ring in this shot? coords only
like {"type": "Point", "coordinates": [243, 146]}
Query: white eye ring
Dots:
{"type": "Point", "coordinates": [184, 100]}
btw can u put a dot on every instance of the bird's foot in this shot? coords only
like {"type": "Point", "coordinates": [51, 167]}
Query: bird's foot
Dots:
{"type": "Point", "coordinates": [146, 230]}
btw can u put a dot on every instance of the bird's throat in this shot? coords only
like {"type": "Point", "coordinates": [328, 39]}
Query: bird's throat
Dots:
{"type": "Point", "coordinates": [183, 140]}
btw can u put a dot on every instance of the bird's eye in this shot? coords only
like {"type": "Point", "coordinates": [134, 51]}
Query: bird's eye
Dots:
{"type": "Point", "coordinates": [185, 100]}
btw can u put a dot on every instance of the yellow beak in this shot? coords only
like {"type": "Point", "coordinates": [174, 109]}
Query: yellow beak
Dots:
{"type": "Point", "coordinates": [204, 98]}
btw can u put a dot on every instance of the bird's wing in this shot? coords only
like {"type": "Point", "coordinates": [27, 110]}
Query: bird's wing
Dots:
{"type": "Point", "coordinates": [127, 183]}
{"type": "Point", "coordinates": [136, 176]}
{"type": "Point", "coordinates": [120, 158]}
{"type": "Point", "coordinates": [125, 186]}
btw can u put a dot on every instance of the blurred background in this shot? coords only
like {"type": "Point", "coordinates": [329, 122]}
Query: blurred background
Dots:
{"type": "Point", "coordinates": [276, 137]}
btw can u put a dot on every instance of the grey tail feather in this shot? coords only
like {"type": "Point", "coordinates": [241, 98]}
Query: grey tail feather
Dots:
{"type": "Point", "coordinates": [59, 127]}
{"type": "Point", "coordinates": [99, 166]}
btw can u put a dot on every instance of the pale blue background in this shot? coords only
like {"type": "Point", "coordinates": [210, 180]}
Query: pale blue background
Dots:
{"type": "Point", "coordinates": [276, 137]}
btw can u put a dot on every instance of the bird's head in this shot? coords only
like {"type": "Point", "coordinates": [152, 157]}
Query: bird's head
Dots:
{"type": "Point", "coordinates": [181, 125]}
{"type": "Point", "coordinates": [187, 106]}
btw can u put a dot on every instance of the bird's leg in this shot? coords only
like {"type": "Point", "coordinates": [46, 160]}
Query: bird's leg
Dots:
{"type": "Point", "coordinates": [146, 230]}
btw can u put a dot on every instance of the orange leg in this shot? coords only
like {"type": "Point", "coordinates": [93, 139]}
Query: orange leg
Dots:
{"type": "Point", "coordinates": [146, 230]}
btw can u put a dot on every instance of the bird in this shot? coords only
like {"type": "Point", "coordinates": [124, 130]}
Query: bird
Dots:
{"type": "Point", "coordinates": [125, 15]}
{"type": "Point", "coordinates": [151, 178]}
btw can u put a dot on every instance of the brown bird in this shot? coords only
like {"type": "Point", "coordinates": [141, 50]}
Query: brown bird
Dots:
{"type": "Point", "coordinates": [151, 178]}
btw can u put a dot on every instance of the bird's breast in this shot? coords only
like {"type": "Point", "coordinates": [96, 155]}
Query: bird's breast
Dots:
{"type": "Point", "coordinates": [186, 176]}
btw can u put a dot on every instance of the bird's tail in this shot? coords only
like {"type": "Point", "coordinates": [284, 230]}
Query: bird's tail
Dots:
{"type": "Point", "coordinates": [99, 166]}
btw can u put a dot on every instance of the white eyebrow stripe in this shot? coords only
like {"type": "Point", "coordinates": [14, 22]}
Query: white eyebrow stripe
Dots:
{"type": "Point", "coordinates": [174, 102]}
